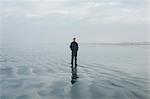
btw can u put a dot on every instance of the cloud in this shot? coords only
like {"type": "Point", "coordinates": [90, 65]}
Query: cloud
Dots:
{"type": "Point", "coordinates": [104, 11]}
{"type": "Point", "coordinates": [62, 17]}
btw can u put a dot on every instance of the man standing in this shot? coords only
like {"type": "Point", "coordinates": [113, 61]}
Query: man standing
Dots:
{"type": "Point", "coordinates": [74, 49]}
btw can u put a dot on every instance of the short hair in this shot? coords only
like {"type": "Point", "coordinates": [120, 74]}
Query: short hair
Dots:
{"type": "Point", "coordinates": [74, 38]}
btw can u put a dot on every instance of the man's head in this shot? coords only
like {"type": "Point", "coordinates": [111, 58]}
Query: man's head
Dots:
{"type": "Point", "coordinates": [74, 39]}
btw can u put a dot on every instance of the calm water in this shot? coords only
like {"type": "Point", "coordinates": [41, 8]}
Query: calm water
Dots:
{"type": "Point", "coordinates": [105, 72]}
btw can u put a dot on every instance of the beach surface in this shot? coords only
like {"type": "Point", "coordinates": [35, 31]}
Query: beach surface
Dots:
{"type": "Point", "coordinates": [105, 72]}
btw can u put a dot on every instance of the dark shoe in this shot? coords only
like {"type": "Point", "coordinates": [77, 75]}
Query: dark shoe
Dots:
{"type": "Point", "coordinates": [77, 76]}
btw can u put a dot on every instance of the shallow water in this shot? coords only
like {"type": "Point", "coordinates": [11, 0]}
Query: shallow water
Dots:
{"type": "Point", "coordinates": [105, 72]}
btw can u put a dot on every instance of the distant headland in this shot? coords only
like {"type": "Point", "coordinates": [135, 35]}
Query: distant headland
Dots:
{"type": "Point", "coordinates": [122, 43]}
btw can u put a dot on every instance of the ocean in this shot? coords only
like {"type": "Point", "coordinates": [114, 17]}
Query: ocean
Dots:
{"type": "Point", "coordinates": [44, 72]}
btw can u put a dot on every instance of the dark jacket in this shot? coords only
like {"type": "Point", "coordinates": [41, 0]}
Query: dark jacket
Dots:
{"type": "Point", "coordinates": [74, 46]}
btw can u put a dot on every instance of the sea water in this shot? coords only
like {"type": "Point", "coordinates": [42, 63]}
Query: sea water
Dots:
{"type": "Point", "coordinates": [105, 72]}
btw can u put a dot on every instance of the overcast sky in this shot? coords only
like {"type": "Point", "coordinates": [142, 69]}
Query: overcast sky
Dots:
{"type": "Point", "coordinates": [46, 21]}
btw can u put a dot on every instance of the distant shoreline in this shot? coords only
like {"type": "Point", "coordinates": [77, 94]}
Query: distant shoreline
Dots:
{"type": "Point", "coordinates": [126, 43]}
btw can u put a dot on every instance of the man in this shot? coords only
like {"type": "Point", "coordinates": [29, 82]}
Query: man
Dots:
{"type": "Point", "coordinates": [74, 49]}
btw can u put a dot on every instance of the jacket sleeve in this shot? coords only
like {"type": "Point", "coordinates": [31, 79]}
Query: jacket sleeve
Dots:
{"type": "Point", "coordinates": [71, 46]}
{"type": "Point", "coordinates": [77, 46]}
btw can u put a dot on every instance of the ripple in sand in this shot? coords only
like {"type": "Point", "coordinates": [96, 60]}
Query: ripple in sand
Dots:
{"type": "Point", "coordinates": [24, 97]}
{"type": "Point", "coordinates": [6, 97]}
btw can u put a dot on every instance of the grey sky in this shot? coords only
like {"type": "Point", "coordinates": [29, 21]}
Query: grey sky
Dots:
{"type": "Point", "coordinates": [45, 21]}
